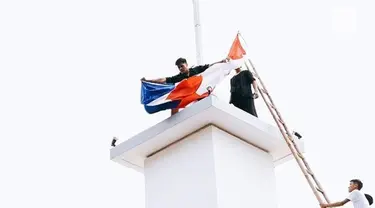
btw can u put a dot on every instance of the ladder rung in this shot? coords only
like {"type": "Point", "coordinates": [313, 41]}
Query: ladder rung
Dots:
{"type": "Point", "coordinates": [320, 190]}
{"type": "Point", "coordinates": [309, 172]}
{"type": "Point", "coordinates": [300, 155]}
{"type": "Point", "coordinates": [281, 121]}
{"type": "Point", "coordinates": [290, 137]}
{"type": "Point", "coordinates": [271, 105]}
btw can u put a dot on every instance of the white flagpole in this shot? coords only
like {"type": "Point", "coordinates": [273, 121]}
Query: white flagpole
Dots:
{"type": "Point", "coordinates": [198, 33]}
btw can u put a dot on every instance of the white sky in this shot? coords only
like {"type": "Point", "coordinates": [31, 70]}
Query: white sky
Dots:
{"type": "Point", "coordinates": [69, 81]}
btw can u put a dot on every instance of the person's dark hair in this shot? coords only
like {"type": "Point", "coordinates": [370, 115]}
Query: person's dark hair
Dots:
{"type": "Point", "coordinates": [180, 61]}
{"type": "Point", "coordinates": [369, 199]}
{"type": "Point", "coordinates": [358, 182]}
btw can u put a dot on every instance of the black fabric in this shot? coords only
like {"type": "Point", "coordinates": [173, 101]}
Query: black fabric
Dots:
{"type": "Point", "coordinates": [241, 93]}
{"type": "Point", "coordinates": [241, 83]}
{"type": "Point", "coordinates": [244, 103]}
{"type": "Point", "coordinates": [369, 198]}
{"type": "Point", "coordinates": [192, 72]}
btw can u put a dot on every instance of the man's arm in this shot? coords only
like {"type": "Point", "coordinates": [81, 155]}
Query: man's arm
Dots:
{"type": "Point", "coordinates": [159, 81]}
{"type": "Point", "coordinates": [255, 86]}
{"type": "Point", "coordinates": [218, 62]}
{"type": "Point", "coordinates": [203, 68]}
{"type": "Point", "coordinates": [336, 204]}
{"type": "Point", "coordinates": [253, 82]}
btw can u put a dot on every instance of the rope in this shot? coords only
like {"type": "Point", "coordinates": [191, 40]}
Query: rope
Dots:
{"type": "Point", "coordinates": [243, 39]}
{"type": "Point", "coordinates": [246, 46]}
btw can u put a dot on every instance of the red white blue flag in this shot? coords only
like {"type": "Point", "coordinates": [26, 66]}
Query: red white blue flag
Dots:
{"type": "Point", "coordinates": [158, 97]}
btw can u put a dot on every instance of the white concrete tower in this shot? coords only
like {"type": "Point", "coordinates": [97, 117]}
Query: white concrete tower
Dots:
{"type": "Point", "coordinates": [209, 155]}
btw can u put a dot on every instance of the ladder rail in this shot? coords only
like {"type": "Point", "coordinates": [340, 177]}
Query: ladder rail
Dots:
{"type": "Point", "coordinates": [302, 162]}
{"type": "Point", "coordinates": [293, 150]}
{"type": "Point", "coordinates": [287, 130]}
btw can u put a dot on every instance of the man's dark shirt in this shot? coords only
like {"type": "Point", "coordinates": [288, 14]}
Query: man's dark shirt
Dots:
{"type": "Point", "coordinates": [240, 84]}
{"type": "Point", "coordinates": [192, 72]}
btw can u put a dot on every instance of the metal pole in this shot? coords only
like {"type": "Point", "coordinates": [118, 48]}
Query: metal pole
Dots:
{"type": "Point", "coordinates": [198, 33]}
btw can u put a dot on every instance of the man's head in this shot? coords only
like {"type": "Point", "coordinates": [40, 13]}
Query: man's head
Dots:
{"type": "Point", "coordinates": [182, 65]}
{"type": "Point", "coordinates": [355, 184]}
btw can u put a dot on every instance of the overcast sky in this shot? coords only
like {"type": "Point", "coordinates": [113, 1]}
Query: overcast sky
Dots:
{"type": "Point", "coordinates": [69, 82]}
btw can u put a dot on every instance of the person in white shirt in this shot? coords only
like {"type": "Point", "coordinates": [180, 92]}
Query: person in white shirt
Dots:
{"type": "Point", "coordinates": [359, 199]}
